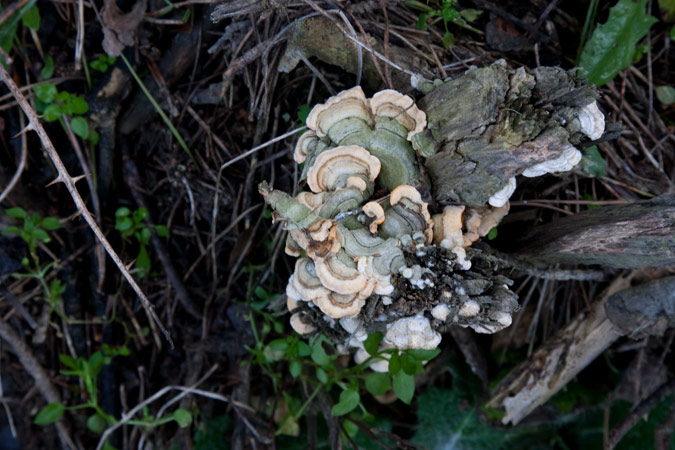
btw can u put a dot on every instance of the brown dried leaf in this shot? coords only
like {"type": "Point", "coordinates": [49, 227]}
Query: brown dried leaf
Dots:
{"type": "Point", "coordinates": [119, 28]}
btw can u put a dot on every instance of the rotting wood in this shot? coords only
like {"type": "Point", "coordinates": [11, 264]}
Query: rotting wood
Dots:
{"type": "Point", "coordinates": [491, 123]}
{"type": "Point", "coordinates": [318, 37]}
{"type": "Point", "coordinates": [633, 235]}
{"type": "Point", "coordinates": [560, 359]}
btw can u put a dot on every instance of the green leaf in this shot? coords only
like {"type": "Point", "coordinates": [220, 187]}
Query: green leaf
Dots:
{"type": "Point", "coordinates": [665, 94]}
{"type": "Point", "coordinates": [404, 387]}
{"type": "Point", "coordinates": [593, 163]}
{"type": "Point", "coordinates": [80, 127]}
{"type": "Point", "coordinates": [372, 343]}
{"type": "Point", "coordinates": [48, 69]}
{"type": "Point", "coordinates": [96, 423]}
{"type": "Point", "coordinates": [11, 230]}
{"type": "Point", "coordinates": [52, 113]}
{"type": "Point", "coordinates": [50, 414]}
{"type": "Point", "coordinates": [295, 368]}
{"type": "Point", "coordinates": [45, 91]}
{"type": "Point", "coordinates": [122, 212]}
{"type": "Point", "coordinates": [162, 230]}
{"type": "Point", "coordinates": [394, 364]}
{"type": "Point", "coordinates": [668, 9]}
{"type": "Point", "coordinates": [183, 417]}
{"type": "Point", "coordinates": [50, 223]}
{"type": "Point", "coordinates": [443, 416]}
{"type": "Point", "coordinates": [612, 46]}
{"type": "Point", "coordinates": [321, 375]}
{"type": "Point", "coordinates": [68, 361]}
{"type": "Point", "coordinates": [303, 112]}
{"type": "Point", "coordinates": [319, 355]}
{"type": "Point", "coordinates": [95, 363]}
{"type": "Point", "coordinates": [279, 345]}
{"type": "Point", "coordinates": [143, 261]}
{"type": "Point", "coordinates": [449, 39]}
{"type": "Point", "coordinates": [423, 355]}
{"type": "Point", "coordinates": [79, 105]}
{"type": "Point", "coordinates": [492, 234]}
{"type": "Point", "coordinates": [93, 137]}
{"type": "Point", "coordinates": [470, 14]}
{"type": "Point", "coordinates": [349, 400]}
{"type": "Point", "coordinates": [378, 383]}
{"type": "Point", "coordinates": [31, 18]}
{"type": "Point", "coordinates": [144, 236]}
{"type": "Point", "coordinates": [17, 213]}
{"type": "Point", "coordinates": [140, 215]}
{"type": "Point", "coordinates": [123, 223]}
{"type": "Point", "coordinates": [304, 349]}
{"type": "Point", "coordinates": [41, 235]}
{"type": "Point", "coordinates": [422, 22]}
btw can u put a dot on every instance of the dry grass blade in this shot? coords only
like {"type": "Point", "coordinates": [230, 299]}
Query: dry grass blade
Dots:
{"type": "Point", "coordinates": [65, 178]}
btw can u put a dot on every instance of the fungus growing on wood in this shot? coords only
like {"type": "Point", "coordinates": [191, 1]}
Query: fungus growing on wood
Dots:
{"type": "Point", "coordinates": [401, 108]}
{"type": "Point", "coordinates": [347, 105]}
{"type": "Point", "coordinates": [566, 161]}
{"type": "Point", "coordinates": [375, 213]}
{"type": "Point", "coordinates": [502, 196]}
{"type": "Point", "coordinates": [591, 121]}
{"type": "Point", "coordinates": [412, 333]}
{"type": "Point", "coordinates": [337, 167]}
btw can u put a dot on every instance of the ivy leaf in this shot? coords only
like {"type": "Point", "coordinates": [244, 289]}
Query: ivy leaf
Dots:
{"type": "Point", "coordinates": [50, 414]}
{"type": "Point", "coordinates": [349, 399]}
{"type": "Point", "coordinates": [612, 46]}
{"type": "Point", "coordinates": [404, 387]}
{"type": "Point", "coordinates": [80, 127]}
{"type": "Point", "coordinates": [378, 383]}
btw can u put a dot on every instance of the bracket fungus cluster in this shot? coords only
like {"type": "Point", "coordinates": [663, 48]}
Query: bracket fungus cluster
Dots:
{"type": "Point", "coordinates": [371, 256]}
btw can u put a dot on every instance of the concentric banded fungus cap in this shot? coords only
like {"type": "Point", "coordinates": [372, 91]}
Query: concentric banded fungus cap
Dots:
{"type": "Point", "coordinates": [412, 333]}
{"type": "Point", "coordinates": [351, 103]}
{"type": "Point", "coordinates": [410, 197]}
{"type": "Point", "coordinates": [299, 325]}
{"type": "Point", "coordinates": [566, 161]}
{"type": "Point", "coordinates": [591, 121]}
{"type": "Point", "coordinates": [502, 196]}
{"type": "Point", "coordinates": [448, 227]}
{"type": "Point", "coordinates": [338, 306]}
{"type": "Point", "coordinates": [305, 144]}
{"type": "Point", "coordinates": [305, 282]}
{"type": "Point", "coordinates": [400, 107]}
{"type": "Point", "coordinates": [333, 168]}
{"type": "Point", "coordinates": [318, 239]}
{"type": "Point", "coordinates": [339, 277]}
{"type": "Point", "coordinates": [311, 200]}
{"type": "Point", "coordinates": [376, 213]}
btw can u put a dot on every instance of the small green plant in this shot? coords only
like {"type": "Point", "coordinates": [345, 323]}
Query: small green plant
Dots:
{"type": "Point", "coordinates": [34, 232]}
{"type": "Point", "coordinates": [132, 224]}
{"type": "Point", "coordinates": [102, 63]}
{"type": "Point", "coordinates": [62, 105]}
{"type": "Point", "coordinates": [88, 371]}
{"type": "Point", "coordinates": [28, 15]}
{"type": "Point", "coordinates": [446, 12]}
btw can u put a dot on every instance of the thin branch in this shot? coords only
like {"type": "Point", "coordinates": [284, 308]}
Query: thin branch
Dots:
{"type": "Point", "coordinates": [65, 178]}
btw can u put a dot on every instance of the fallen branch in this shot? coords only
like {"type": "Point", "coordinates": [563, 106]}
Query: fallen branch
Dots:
{"type": "Point", "coordinates": [560, 359]}
{"type": "Point", "coordinates": [65, 178]}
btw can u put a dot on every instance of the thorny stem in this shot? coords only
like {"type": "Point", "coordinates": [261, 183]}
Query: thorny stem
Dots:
{"type": "Point", "coordinates": [65, 178]}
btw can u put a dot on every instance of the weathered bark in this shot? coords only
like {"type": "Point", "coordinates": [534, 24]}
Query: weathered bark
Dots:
{"type": "Point", "coordinates": [491, 123]}
{"type": "Point", "coordinates": [319, 37]}
{"type": "Point", "coordinates": [560, 359]}
{"type": "Point", "coordinates": [634, 235]}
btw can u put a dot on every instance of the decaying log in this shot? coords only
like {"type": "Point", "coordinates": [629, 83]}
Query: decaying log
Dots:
{"type": "Point", "coordinates": [634, 235]}
{"type": "Point", "coordinates": [556, 362]}
{"type": "Point", "coordinates": [491, 123]}
{"type": "Point", "coordinates": [319, 37]}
